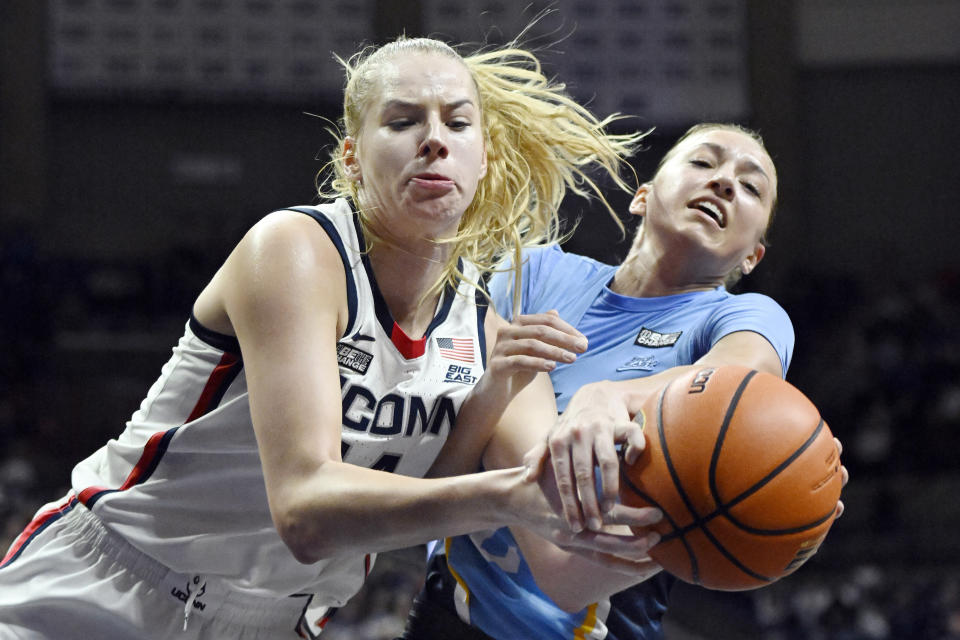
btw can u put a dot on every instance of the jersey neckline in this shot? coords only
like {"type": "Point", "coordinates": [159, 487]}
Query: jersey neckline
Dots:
{"type": "Point", "coordinates": [408, 347]}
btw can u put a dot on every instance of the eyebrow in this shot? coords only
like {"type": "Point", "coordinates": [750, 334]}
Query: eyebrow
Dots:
{"type": "Point", "coordinates": [721, 150]}
{"type": "Point", "coordinates": [405, 104]}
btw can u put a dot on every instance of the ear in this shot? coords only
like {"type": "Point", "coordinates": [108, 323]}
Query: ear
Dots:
{"type": "Point", "coordinates": [351, 164]}
{"type": "Point", "coordinates": [638, 206]}
{"type": "Point", "coordinates": [483, 161]}
{"type": "Point", "coordinates": [751, 261]}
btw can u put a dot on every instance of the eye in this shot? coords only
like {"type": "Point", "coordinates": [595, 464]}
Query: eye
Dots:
{"type": "Point", "coordinates": [697, 162]}
{"type": "Point", "coordinates": [458, 124]}
{"type": "Point", "coordinates": [752, 188]}
{"type": "Point", "coordinates": [400, 124]}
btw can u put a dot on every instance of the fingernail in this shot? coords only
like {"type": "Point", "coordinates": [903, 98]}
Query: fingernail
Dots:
{"type": "Point", "coordinates": [595, 524]}
{"type": "Point", "coordinates": [657, 515]}
{"type": "Point", "coordinates": [582, 345]}
{"type": "Point", "coordinates": [576, 527]}
{"type": "Point", "coordinates": [569, 357]}
{"type": "Point", "coordinates": [607, 506]}
{"type": "Point", "coordinates": [653, 538]}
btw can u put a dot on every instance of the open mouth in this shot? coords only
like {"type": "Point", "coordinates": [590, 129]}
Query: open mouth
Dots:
{"type": "Point", "coordinates": [713, 211]}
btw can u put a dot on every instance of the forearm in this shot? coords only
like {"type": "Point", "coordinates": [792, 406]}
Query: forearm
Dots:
{"type": "Point", "coordinates": [634, 392]}
{"type": "Point", "coordinates": [342, 508]}
{"type": "Point", "coordinates": [573, 581]}
{"type": "Point", "coordinates": [476, 422]}
{"type": "Point", "coordinates": [743, 348]}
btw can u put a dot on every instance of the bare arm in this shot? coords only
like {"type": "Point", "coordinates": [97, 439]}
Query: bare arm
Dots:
{"type": "Point", "coordinates": [532, 343]}
{"type": "Point", "coordinates": [598, 415]}
{"type": "Point", "coordinates": [512, 408]}
{"type": "Point", "coordinates": [282, 293]}
{"type": "Point", "coordinates": [574, 582]}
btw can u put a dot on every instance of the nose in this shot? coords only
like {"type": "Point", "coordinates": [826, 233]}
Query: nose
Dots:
{"type": "Point", "coordinates": [722, 185]}
{"type": "Point", "coordinates": [434, 144]}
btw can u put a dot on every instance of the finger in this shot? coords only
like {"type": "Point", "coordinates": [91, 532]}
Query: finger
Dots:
{"type": "Point", "coordinates": [633, 516]}
{"type": "Point", "coordinates": [545, 334]}
{"type": "Point", "coordinates": [641, 569]}
{"type": "Point", "coordinates": [535, 347]}
{"type": "Point", "coordinates": [566, 485]}
{"type": "Point", "coordinates": [631, 433]}
{"type": "Point", "coordinates": [839, 510]}
{"type": "Point", "coordinates": [839, 444]}
{"type": "Point", "coordinates": [582, 456]}
{"type": "Point", "coordinates": [608, 463]}
{"type": "Point", "coordinates": [553, 328]}
{"type": "Point", "coordinates": [845, 474]}
{"type": "Point", "coordinates": [631, 547]}
{"type": "Point", "coordinates": [516, 363]}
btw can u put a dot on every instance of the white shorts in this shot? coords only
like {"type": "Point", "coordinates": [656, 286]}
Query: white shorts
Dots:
{"type": "Point", "coordinates": [76, 579]}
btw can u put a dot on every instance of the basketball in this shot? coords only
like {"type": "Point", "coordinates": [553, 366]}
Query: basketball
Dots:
{"type": "Point", "coordinates": [745, 471]}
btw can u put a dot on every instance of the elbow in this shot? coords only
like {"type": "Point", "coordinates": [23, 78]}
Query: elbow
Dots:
{"type": "Point", "coordinates": [298, 537]}
{"type": "Point", "coordinates": [305, 536]}
{"type": "Point", "coordinates": [307, 522]}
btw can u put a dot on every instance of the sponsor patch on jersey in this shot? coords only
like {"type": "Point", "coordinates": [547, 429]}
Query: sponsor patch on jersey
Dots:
{"type": "Point", "coordinates": [639, 363]}
{"type": "Point", "coordinates": [352, 358]}
{"type": "Point", "coordinates": [461, 374]}
{"type": "Point", "coordinates": [655, 339]}
{"type": "Point", "coordinates": [460, 349]}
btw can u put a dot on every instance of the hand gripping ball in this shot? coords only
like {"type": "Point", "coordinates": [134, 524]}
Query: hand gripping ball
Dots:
{"type": "Point", "coordinates": [746, 472]}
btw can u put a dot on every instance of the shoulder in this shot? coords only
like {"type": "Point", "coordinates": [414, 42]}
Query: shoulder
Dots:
{"type": "Point", "coordinates": [549, 257]}
{"type": "Point", "coordinates": [284, 254]}
{"type": "Point", "coordinates": [757, 304]}
{"type": "Point", "coordinates": [757, 313]}
{"type": "Point", "coordinates": [287, 236]}
{"type": "Point", "coordinates": [547, 272]}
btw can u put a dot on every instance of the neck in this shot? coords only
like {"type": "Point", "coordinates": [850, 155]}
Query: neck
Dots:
{"type": "Point", "coordinates": [404, 277]}
{"type": "Point", "coordinates": [654, 271]}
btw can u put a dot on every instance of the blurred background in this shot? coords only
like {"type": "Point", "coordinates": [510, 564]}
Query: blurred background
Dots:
{"type": "Point", "coordinates": [139, 139]}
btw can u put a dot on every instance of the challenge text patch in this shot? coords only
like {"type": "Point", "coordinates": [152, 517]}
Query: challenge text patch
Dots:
{"type": "Point", "coordinates": [655, 339]}
{"type": "Point", "coordinates": [354, 359]}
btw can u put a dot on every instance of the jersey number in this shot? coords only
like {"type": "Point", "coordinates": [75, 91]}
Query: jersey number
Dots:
{"type": "Point", "coordinates": [387, 462]}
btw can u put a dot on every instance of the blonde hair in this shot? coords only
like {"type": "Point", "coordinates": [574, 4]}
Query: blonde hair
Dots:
{"type": "Point", "coordinates": [539, 142]}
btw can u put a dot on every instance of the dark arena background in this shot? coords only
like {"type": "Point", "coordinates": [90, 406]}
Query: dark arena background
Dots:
{"type": "Point", "coordinates": [140, 138]}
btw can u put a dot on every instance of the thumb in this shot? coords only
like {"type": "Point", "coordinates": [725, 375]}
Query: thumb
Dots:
{"type": "Point", "coordinates": [631, 435]}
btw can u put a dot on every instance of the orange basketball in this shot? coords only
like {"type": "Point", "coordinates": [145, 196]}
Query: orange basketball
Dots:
{"type": "Point", "coordinates": [745, 471]}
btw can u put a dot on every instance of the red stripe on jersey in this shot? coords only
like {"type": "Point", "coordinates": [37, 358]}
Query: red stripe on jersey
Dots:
{"type": "Point", "coordinates": [221, 376]}
{"type": "Point", "coordinates": [144, 464]}
{"type": "Point", "coordinates": [222, 373]}
{"type": "Point", "coordinates": [42, 519]}
{"type": "Point", "coordinates": [408, 347]}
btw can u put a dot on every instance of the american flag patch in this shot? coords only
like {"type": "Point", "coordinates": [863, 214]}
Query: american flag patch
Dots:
{"type": "Point", "coordinates": [456, 348]}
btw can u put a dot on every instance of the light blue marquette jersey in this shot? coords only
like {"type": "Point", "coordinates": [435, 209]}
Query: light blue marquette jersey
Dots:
{"type": "Point", "coordinates": [628, 338]}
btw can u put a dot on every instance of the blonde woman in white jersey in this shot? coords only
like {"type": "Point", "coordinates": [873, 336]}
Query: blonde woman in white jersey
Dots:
{"type": "Point", "coordinates": [336, 343]}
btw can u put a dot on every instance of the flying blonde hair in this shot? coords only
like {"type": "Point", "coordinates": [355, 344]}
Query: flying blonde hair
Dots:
{"type": "Point", "coordinates": [539, 141]}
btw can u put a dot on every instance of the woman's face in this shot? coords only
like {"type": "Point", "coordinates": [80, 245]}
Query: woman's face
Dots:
{"type": "Point", "coordinates": [716, 188]}
{"type": "Point", "coordinates": [420, 153]}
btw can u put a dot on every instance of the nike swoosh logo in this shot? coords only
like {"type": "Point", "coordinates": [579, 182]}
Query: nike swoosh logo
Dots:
{"type": "Point", "coordinates": [360, 337]}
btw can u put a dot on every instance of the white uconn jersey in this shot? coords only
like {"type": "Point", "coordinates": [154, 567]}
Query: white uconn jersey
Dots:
{"type": "Point", "coordinates": [183, 482]}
